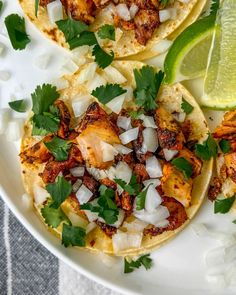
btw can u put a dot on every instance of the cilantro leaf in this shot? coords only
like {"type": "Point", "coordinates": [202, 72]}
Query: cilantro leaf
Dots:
{"type": "Point", "coordinates": [36, 7]}
{"type": "Point", "coordinates": [16, 30]}
{"type": "Point", "coordinates": [1, 5]}
{"type": "Point", "coordinates": [85, 38]}
{"type": "Point", "coordinates": [102, 58]}
{"type": "Point", "coordinates": [206, 150]}
{"type": "Point", "coordinates": [59, 148]}
{"type": "Point", "coordinates": [18, 105]}
{"type": "Point", "coordinates": [223, 205]}
{"type": "Point", "coordinates": [71, 28]}
{"type": "Point", "coordinates": [186, 106]}
{"type": "Point", "coordinates": [106, 93]}
{"type": "Point", "coordinates": [73, 235]}
{"type": "Point", "coordinates": [164, 2]}
{"type": "Point", "coordinates": [225, 146]}
{"type": "Point", "coordinates": [43, 97]}
{"type": "Point", "coordinates": [148, 83]}
{"type": "Point", "coordinates": [133, 188]}
{"type": "Point", "coordinates": [107, 32]}
{"type": "Point", "coordinates": [53, 217]}
{"type": "Point", "coordinates": [144, 260]}
{"type": "Point", "coordinates": [184, 166]}
{"type": "Point", "coordinates": [215, 5]}
{"type": "Point", "coordinates": [45, 123]}
{"type": "Point", "coordinates": [38, 131]}
{"type": "Point", "coordinates": [59, 191]}
{"type": "Point", "coordinates": [140, 199]}
{"type": "Point", "coordinates": [106, 207]}
{"type": "Point", "coordinates": [234, 221]}
{"type": "Point", "coordinates": [136, 114]}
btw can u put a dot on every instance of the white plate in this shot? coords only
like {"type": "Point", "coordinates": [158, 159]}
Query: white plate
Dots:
{"type": "Point", "coordinates": [178, 267]}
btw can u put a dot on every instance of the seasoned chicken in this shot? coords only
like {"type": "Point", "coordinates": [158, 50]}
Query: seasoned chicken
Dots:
{"type": "Point", "coordinates": [193, 160]}
{"type": "Point", "coordinates": [82, 10]}
{"type": "Point", "coordinates": [101, 3]}
{"type": "Point", "coordinates": [146, 22]}
{"type": "Point", "coordinates": [230, 162]}
{"type": "Point", "coordinates": [65, 117]}
{"type": "Point", "coordinates": [45, 2]}
{"type": "Point", "coordinates": [169, 132]}
{"type": "Point", "coordinates": [38, 153]}
{"type": "Point", "coordinates": [174, 185]}
{"type": "Point", "coordinates": [94, 129]}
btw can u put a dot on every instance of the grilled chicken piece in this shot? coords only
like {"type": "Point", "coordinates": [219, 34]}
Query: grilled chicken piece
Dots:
{"type": "Point", "coordinates": [38, 153]}
{"type": "Point", "coordinates": [177, 217]}
{"type": "Point", "coordinates": [126, 201]}
{"type": "Point", "coordinates": [230, 162]}
{"type": "Point", "coordinates": [174, 185]}
{"type": "Point", "coordinates": [146, 22]}
{"type": "Point", "coordinates": [227, 129]}
{"type": "Point", "coordinates": [193, 160]}
{"type": "Point", "coordinates": [214, 189]}
{"type": "Point", "coordinates": [140, 172]}
{"type": "Point", "coordinates": [53, 168]}
{"type": "Point", "coordinates": [95, 128]}
{"type": "Point", "coordinates": [82, 10]}
{"type": "Point", "coordinates": [101, 3]}
{"type": "Point", "coordinates": [45, 2]}
{"type": "Point", "coordinates": [169, 131]}
{"type": "Point", "coordinates": [90, 183]}
{"type": "Point", "coordinates": [107, 229]}
{"type": "Point", "coordinates": [65, 117]}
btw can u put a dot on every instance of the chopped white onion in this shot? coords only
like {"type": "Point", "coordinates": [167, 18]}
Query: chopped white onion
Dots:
{"type": "Point", "coordinates": [97, 81]}
{"type": "Point", "coordinates": [124, 122]}
{"type": "Point", "coordinates": [76, 185]}
{"type": "Point", "coordinates": [77, 220]}
{"type": "Point", "coordinates": [108, 151]}
{"type": "Point", "coordinates": [120, 219]}
{"type": "Point", "coordinates": [157, 61]}
{"type": "Point", "coordinates": [180, 117]}
{"type": "Point", "coordinates": [108, 260]}
{"type": "Point", "coordinates": [123, 11]}
{"type": "Point", "coordinates": [148, 121]}
{"type": "Point", "coordinates": [60, 83]}
{"type": "Point", "coordinates": [129, 135]}
{"type": "Point", "coordinates": [133, 10]}
{"type": "Point", "coordinates": [153, 167]}
{"type": "Point", "coordinates": [27, 201]}
{"type": "Point", "coordinates": [163, 223]}
{"type": "Point", "coordinates": [55, 11]}
{"type": "Point", "coordinates": [83, 194]}
{"type": "Point", "coordinates": [169, 154]}
{"type": "Point", "coordinates": [114, 76]}
{"type": "Point", "coordinates": [184, 1]}
{"type": "Point", "coordinates": [155, 181]}
{"type": "Point", "coordinates": [122, 241]}
{"type": "Point", "coordinates": [40, 194]}
{"type": "Point", "coordinates": [5, 114]}
{"type": "Point", "coordinates": [96, 173]}
{"type": "Point", "coordinates": [129, 93]}
{"type": "Point", "coordinates": [155, 217]}
{"type": "Point", "coordinates": [91, 226]}
{"type": "Point", "coordinates": [87, 74]}
{"type": "Point", "coordinates": [173, 12]}
{"type": "Point", "coordinates": [92, 216]}
{"type": "Point", "coordinates": [150, 140]}
{"type": "Point", "coordinates": [69, 67]}
{"type": "Point", "coordinates": [14, 130]}
{"type": "Point", "coordinates": [135, 226]}
{"type": "Point", "coordinates": [153, 199]}
{"type": "Point", "coordinates": [42, 61]}
{"type": "Point", "coordinates": [77, 171]}
{"type": "Point", "coordinates": [5, 75]}
{"type": "Point", "coordinates": [164, 15]}
{"type": "Point", "coordinates": [123, 171]}
{"type": "Point", "coordinates": [121, 149]}
{"type": "Point", "coordinates": [80, 104]}
{"type": "Point", "coordinates": [116, 103]}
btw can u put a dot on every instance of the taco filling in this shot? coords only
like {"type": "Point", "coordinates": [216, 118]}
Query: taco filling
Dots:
{"type": "Point", "coordinates": [123, 177]}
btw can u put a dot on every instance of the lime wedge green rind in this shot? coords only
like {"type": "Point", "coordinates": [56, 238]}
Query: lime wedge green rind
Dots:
{"type": "Point", "coordinates": [184, 43]}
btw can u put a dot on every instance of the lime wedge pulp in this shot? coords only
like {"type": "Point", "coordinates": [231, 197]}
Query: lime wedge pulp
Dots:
{"type": "Point", "coordinates": [188, 55]}
{"type": "Point", "coordinates": [220, 78]}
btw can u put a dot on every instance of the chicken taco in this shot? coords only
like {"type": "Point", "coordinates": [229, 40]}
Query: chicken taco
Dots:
{"type": "Point", "coordinates": [128, 27]}
{"type": "Point", "coordinates": [110, 162]}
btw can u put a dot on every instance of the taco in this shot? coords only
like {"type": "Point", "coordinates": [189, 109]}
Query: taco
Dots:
{"type": "Point", "coordinates": [140, 24]}
{"type": "Point", "coordinates": [116, 175]}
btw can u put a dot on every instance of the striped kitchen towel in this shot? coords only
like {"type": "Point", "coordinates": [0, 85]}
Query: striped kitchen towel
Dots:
{"type": "Point", "coordinates": [26, 267]}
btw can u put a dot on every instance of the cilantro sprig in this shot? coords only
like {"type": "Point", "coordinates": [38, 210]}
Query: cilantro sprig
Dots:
{"type": "Point", "coordinates": [16, 30]}
{"type": "Point", "coordinates": [19, 105]}
{"type": "Point", "coordinates": [140, 199]}
{"type": "Point", "coordinates": [223, 205]}
{"type": "Point", "coordinates": [106, 207]}
{"type": "Point", "coordinates": [36, 7]}
{"type": "Point", "coordinates": [136, 114]}
{"type": "Point", "coordinates": [148, 83]}
{"type": "Point", "coordinates": [186, 107]}
{"type": "Point", "coordinates": [1, 5]}
{"type": "Point", "coordinates": [107, 32]}
{"type": "Point", "coordinates": [73, 235]}
{"type": "Point", "coordinates": [106, 93]}
{"type": "Point", "coordinates": [53, 217]}
{"type": "Point", "coordinates": [144, 260]}
{"type": "Point", "coordinates": [59, 191]}
{"type": "Point", "coordinates": [132, 188]}
{"type": "Point", "coordinates": [207, 149]}
{"type": "Point", "coordinates": [225, 146]}
{"type": "Point", "coordinates": [59, 148]}
{"type": "Point", "coordinates": [184, 166]}
{"type": "Point", "coordinates": [102, 58]}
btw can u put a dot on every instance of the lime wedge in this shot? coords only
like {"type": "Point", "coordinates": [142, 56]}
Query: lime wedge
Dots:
{"type": "Point", "coordinates": [187, 58]}
{"type": "Point", "coordinates": [220, 78]}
